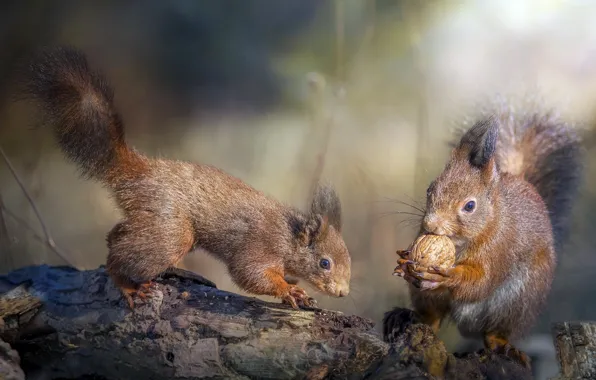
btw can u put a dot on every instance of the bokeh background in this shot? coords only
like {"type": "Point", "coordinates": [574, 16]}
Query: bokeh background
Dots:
{"type": "Point", "coordinates": [255, 86]}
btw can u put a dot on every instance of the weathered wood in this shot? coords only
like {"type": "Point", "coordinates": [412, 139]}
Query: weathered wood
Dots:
{"type": "Point", "coordinates": [192, 330]}
{"type": "Point", "coordinates": [575, 343]}
{"type": "Point", "coordinates": [9, 362]}
{"type": "Point", "coordinates": [414, 343]}
{"type": "Point", "coordinates": [17, 307]}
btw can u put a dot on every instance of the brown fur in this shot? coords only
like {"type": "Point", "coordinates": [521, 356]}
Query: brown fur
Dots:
{"type": "Point", "coordinates": [172, 207]}
{"type": "Point", "coordinates": [518, 171]}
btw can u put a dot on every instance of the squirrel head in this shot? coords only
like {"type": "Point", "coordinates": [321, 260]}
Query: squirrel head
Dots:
{"type": "Point", "coordinates": [460, 202]}
{"type": "Point", "coordinates": [323, 258]}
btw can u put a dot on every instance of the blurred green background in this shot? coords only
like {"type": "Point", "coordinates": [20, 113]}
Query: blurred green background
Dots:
{"type": "Point", "coordinates": [226, 82]}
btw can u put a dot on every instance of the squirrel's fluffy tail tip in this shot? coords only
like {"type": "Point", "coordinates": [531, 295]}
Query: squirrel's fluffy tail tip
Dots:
{"type": "Point", "coordinates": [77, 103]}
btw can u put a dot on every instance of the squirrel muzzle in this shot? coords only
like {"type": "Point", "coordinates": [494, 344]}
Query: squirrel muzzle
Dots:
{"type": "Point", "coordinates": [433, 224]}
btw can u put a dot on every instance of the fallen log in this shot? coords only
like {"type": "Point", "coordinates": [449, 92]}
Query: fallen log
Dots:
{"type": "Point", "coordinates": [66, 323]}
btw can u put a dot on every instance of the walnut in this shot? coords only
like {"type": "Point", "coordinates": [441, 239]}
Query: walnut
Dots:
{"type": "Point", "coordinates": [433, 250]}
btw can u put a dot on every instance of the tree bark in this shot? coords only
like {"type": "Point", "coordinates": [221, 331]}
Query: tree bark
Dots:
{"type": "Point", "coordinates": [9, 363]}
{"type": "Point", "coordinates": [575, 343]}
{"type": "Point", "coordinates": [72, 324]}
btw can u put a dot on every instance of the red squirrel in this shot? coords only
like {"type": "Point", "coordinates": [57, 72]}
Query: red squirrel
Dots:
{"type": "Point", "coordinates": [504, 199]}
{"type": "Point", "coordinates": [172, 207]}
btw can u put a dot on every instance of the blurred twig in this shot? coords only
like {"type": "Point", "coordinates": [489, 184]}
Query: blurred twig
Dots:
{"type": "Point", "coordinates": [361, 53]}
{"type": "Point", "coordinates": [48, 240]}
{"type": "Point", "coordinates": [5, 241]}
{"type": "Point", "coordinates": [422, 146]}
{"type": "Point", "coordinates": [323, 122]}
{"type": "Point", "coordinates": [322, 128]}
{"type": "Point", "coordinates": [339, 37]}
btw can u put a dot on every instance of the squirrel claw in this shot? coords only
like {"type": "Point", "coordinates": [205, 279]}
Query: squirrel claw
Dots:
{"type": "Point", "coordinates": [297, 297]}
{"type": "Point", "coordinates": [142, 291]}
{"type": "Point", "coordinates": [400, 269]}
{"type": "Point", "coordinates": [145, 290]}
{"type": "Point", "coordinates": [148, 286]}
{"type": "Point", "coordinates": [289, 300]}
{"type": "Point", "coordinates": [403, 263]}
{"type": "Point", "coordinates": [404, 254]}
{"type": "Point", "coordinates": [308, 302]}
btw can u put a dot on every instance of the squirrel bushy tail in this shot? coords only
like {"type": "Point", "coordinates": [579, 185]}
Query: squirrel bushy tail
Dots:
{"type": "Point", "coordinates": [546, 152]}
{"type": "Point", "coordinates": [77, 103]}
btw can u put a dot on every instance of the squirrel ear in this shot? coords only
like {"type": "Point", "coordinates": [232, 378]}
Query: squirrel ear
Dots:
{"type": "Point", "coordinates": [489, 171]}
{"type": "Point", "coordinates": [315, 229]}
{"type": "Point", "coordinates": [480, 142]}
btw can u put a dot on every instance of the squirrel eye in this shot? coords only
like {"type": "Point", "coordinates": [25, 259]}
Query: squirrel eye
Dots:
{"type": "Point", "coordinates": [470, 206]}
{"type": "Point", "coordinates": [325, 264]}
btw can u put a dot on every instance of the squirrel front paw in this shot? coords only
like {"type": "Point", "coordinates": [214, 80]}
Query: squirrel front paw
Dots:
{"type": "Point", "coordinates": [422, 277]}
{"type": "Point", "coordinates": [404, 253]}
{"type": "Point", "coordinates": [297, 298]}
{"type": "Point", "coordinates": [403, 262]}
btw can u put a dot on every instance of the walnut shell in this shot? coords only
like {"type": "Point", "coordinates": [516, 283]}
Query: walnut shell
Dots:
{"type": "Point", "coordinates": [433, 250]}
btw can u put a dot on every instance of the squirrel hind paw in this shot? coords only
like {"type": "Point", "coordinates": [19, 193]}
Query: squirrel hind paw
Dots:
{"type": "Point", "coordinates": [514, 354]}
{"type": "Point", "coordinates": [501, 346]}
{"type": "Point", "coordinates": [142, 291]}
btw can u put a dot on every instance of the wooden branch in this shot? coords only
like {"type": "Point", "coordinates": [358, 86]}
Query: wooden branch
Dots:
{"type": "Point", "coordinates": [575, 343]}
{"type": "Point", "coordinates": [48, 237]}
{"type": "Point", "coordinates": [191, 330]}
{"type": "Point", "coordinates": [339, 38]}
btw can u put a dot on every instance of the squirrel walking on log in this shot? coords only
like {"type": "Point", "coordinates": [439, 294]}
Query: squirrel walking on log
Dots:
{"type": "Point", "coordinates": [504, 198]}
{"type": "Point", "coordinates": [173, 207]}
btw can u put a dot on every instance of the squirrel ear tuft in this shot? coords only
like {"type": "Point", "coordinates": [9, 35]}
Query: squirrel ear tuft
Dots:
{"type": "Point", "coordinates": [326, 203]}
{"type": "Point", "coordinates": [480, 142]}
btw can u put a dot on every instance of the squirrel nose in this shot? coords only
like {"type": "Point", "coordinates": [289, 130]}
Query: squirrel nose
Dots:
{"type": "Point", "coordinates": [432, 224]}
{"type": "Point", "coordinates": [344, 290]}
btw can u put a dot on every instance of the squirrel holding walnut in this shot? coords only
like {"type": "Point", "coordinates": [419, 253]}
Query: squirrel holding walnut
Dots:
{"type": "Point", "coordinates": [173, 207]}
{"type": "Point", "coordinates": [504, 199]}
